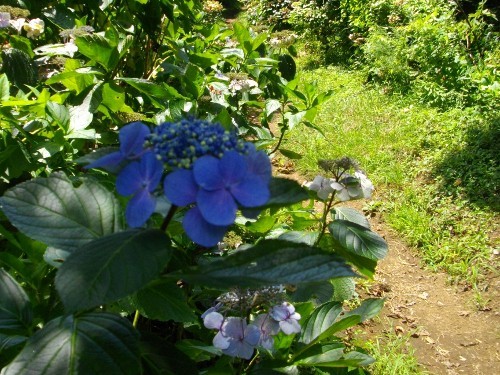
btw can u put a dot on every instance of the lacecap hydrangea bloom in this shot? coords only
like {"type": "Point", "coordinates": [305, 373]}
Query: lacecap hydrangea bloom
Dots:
{"type": "Point", "coordinates": [209, 169]}
{"type": "Point", "coordinates": [237, 338]}
{"type": "Point", "coordinates": [347, 188]}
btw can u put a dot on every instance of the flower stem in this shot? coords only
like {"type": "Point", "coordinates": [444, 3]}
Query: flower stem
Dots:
{"type": "Point", "coordinates": [326, 209]}
{"type": "Point", "coordinates": [136, 318]}
{"type": "Point", "coordinates": [169, 217]}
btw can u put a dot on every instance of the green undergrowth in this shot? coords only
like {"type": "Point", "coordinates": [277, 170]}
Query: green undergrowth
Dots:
{"type": "Point", "coordinates": [394, 356]}
{"type": "Point", "coordinates": [436, 173]}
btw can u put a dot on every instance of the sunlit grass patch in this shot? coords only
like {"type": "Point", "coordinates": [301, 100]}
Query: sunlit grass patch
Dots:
{"type": "Point", "coordinates": [436, 173]}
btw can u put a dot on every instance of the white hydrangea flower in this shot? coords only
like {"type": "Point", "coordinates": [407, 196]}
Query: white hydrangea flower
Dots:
{"type": "Point", "coordinates": [366, 184]}
{"type": "Point", "coordinates": [321, 185]}
{"type": "Point", "coordinates": [34, 28]}
{"type": "Point", "coordinates": [17, 24]}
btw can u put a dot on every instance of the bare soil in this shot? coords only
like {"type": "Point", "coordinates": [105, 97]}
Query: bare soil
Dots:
{"type": "Point", "coordinates": [449, 332]}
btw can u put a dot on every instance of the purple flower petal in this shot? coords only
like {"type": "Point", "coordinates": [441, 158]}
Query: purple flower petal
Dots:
{"type": "Point", "coordinates": [233, 167]}
{"type": "Point", "coordinates": [251, 192]}
{"type": "Point", "coordinates": [207, 173]}
{"type": "Point", "coordinates": [260, 165]}
{"type": "Point", "coordinates": [290, 326]}
{"type": "Point", "coordinates": [279, 313]}
{"type": "Point", "coordinates": [252, 335]}
{"type": "Point", "coordinates": [180, 187]}
{"type": "Point", "coordinates": [108, 162]}
{"type": "Point", "coordinates": [129, 180]}
{"type": "Point", "coordinates": [151, 170]}
{"type": "Point", "coordinates": [140, 208]}
{"type": "Point", "coordinates": [132, 137]}
{"type": "Point", "coordinates": [200, 231]}
{"type": "Point", "coordinates": [220, 341]}
{"type": "Point", "coordinates": [217, 207]}
{"type": "Point", "coordinates": [213, 320]}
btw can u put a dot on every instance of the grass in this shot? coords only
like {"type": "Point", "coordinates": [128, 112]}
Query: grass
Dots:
{"type": "Point", "coordinates": [436, 173]}
{"type": "Point", "coordinates": [394, 355]}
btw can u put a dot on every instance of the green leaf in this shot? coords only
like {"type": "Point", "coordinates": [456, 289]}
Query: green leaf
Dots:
{"type": "Point", "coordinates": [332, 356]}
{"type": "Point", "coordinates": [164, 300]}
{"type": "Point", "coordinates": [59, 114]}
{"type": "Point", "coordinates": [285, 192]}
{"type": "Point", "coordinates": [305, 237]}
{"type": "Point", "coordinates": [238, 52]}
{"type": "Point", "coordinates": [344, 288]}
{"type": "Point", "coordinates": [99, 49]}
{"type": "Point", "coordinates": [111, 267]}
{"type": "Point", "coordinates": [272, 105]}
{"type": "Point", "coordinates": [269, 262]}
{"type": "Point", "coordinates": [321, 354]}
{"type": "Point", "coordinates": [15, 307]}
{"type": "Point", "coordinates": [10, 346]}
{"type": "Point", "coordinates": [350, 214]}
{"type": "Point", "coordinates": [290, 154]}
{"type": "Point", "coordinates": [368, 309]}
{"type": "Point", "coordinates": [152, 89]}
{"type": "Point", "coordinates": [358, 239]}
{"type": "Point", "coordinates": [320, 292]}
{"type": "Point", "coordinates": [113, 96]}
{"type": "Point", "coordinates": [53, 211]}
{"type": "Point", "coordinates": [4, 87]}
{"type": "Point", "coordinates": [293, 119]}
{"type": "Point", "coordinates": [91, 343]}
{"type": "Point", "coordinates": [322, 318]}
{"type": "Point", "coordinates": [81, 115]}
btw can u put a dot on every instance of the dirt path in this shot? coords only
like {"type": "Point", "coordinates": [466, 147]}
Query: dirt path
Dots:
{"type": "Point", "coordinates": [450, 335]}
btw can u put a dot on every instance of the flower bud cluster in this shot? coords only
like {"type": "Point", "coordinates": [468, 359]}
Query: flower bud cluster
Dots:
{"type": "Point", "coordinates": [180, 144]}
{"type": "Point", "coordinates": [238, 338]}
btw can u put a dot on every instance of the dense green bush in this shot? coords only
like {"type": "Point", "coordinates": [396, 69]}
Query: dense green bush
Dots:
{"type": "Point", "coordinates": [447, 57]}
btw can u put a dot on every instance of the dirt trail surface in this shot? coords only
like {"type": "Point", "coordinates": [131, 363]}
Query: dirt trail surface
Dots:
{"type": "Point", "coordinates": [450, 335]}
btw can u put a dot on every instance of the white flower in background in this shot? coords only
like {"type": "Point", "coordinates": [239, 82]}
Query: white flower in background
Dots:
{"type": "Point", "coordinates": [242, 85]}
{"type": "Point", "coordinates": [366, 184]}
{"type": "Point", "coordinates": [34, 28]}
{"type": "Point", "coordinates": [17, 24]}
{"type": "Point", "coordinates": [321, 185]}
{"type": "Point", "coordinates": [4, 20]}
{"type": "Point", "coordinates": [353, 187]}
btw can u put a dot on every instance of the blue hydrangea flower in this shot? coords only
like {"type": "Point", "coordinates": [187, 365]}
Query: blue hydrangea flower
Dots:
{"type": "Point", "coordinates": [218, 187]}
{"type": "Point", "coordinates": [287, 318]}
{"type": "Point", "coordinates": [236, 338]}
{"type": "Point", "coordinates": [132, 137]}
{"type": "Point", "coordinates": [268, 328]}
{"type": "Point", "coordinates": [179, 144]}
{"type": "Point", "coordinates": [140, 179]}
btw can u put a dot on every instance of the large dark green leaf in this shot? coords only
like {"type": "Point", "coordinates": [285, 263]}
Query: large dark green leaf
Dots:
{"type": "Point", "coordinates": [164, 300]}
{"type": "Point", "coordinates": [270, 262]}
{"type": "Point", "coordinates": [112, 267]}
{"type": "Point", "coordinates": [92, 343]}
{"type": "Point", "coordinates": [15, 307]}
{"type": "Point", "coordinates": [350, 214]}
{"type": "Point", "coordinates": [53, 211]}
{"type": "Point", "coordinates": [358, 239]}
{"type": "Point", "coordinates": [332, 356]}
{"type": "Point", "coordinates": [99, 49]}
{"type": "Point", "coordinates": [320, 320]}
